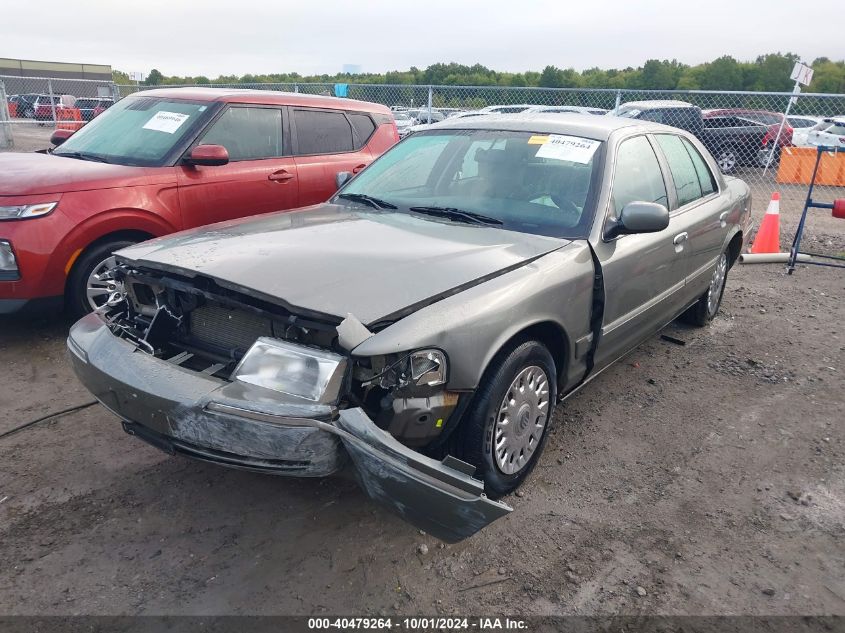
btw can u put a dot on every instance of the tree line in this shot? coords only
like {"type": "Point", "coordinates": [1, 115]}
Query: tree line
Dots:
{"type": "Point", "coordinates": [767, 73]}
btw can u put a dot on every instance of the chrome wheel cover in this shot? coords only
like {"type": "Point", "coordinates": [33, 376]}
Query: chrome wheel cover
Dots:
{"type": "Point", "coordinates": [717, 282]}
{"type": "Point", "coordinates": [101, 286]}
{"type": "Point", "coordinates": [521, 420]}
{"type": "Point", "coordinates": [727, 161]}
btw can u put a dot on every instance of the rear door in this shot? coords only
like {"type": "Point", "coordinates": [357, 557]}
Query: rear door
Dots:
{"type": "Point", "coordinates": [327, 142]}
{"type": "Point", "coordinates": [261, 175]}
{"type": "Point", "coordinates": [643, 275]}
{"type": "Point", "coordinates": [698, 208]}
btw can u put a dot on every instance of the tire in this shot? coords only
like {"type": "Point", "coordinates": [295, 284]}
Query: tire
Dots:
{"type": "Point", "coordinates": [707, 307]}
{"type": "Point", "coordinates": [94, 258]}
{"type": "Point", "coordinates": [530, 362]}
{"type": "Point", "coordinates": [727, 158]}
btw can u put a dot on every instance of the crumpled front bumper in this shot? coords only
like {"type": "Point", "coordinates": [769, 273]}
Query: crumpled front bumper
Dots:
{"type": "Point", "coordinates": [234, 424]}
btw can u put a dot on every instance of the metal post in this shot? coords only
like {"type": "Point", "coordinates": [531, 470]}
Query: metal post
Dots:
{"type": "Point", "coordinates": [7, 141]}
{"type": "Point", "coordinates": [618, 102]}
{"type": "Point", "coordinates": [52, 100]}
{"type": "Point", "coordinates": [296, 87]}
{"type": "Point", "coordinates": [795, 91]}
{"type": "Point", "coordinates": [115, 92]}
{"type": "Point", "coordinates": [430, 97]}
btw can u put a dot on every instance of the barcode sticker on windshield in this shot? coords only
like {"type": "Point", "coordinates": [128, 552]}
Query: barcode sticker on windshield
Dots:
{"type": "Point", "coordinates": [164, 121]}
{"type": "Point", "coordinates": [571, 148]}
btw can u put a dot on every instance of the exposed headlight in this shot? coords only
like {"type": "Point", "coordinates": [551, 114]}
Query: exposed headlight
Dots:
{"type": "Point", "coordinates": [421, 368]}
{"type": "Point", "coordinates": [22, 211]}
{"type": "Point", "coordinates": [8, 263]}
{"type": "Point", "coordinates": [295, 370]}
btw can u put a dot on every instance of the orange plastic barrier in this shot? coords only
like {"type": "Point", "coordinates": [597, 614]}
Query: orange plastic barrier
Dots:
{"type": "Point", "coordinates": [68, 119]}
{"type": "Point", "coordinates": [796, 167]}
{"type": "Point", "coordinates": [13, 110]}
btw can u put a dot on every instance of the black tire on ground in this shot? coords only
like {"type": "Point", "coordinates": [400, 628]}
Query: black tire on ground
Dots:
{"type": "Point", "coordinates": [478, 430]}
{"type": "Point", "coordinates": [76, 297]}
{"type": "Point", "coordinates": [707, 307]}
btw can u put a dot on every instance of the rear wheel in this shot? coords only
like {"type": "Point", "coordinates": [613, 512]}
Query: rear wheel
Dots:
{"type": "Point", "coordinates": [727, 159]}
{"type": "Point", "coordinates": [91, 283]}
{"type": "Point", "coordinates": [707, 306]}
{"type": "Point", "coordinates": [507, 426]}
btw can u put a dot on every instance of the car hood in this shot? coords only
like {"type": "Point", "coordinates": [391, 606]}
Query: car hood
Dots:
{"type": "Point", "coordinates": [23, 174]}
{"type": "Point", "coordinates": [333, 260]}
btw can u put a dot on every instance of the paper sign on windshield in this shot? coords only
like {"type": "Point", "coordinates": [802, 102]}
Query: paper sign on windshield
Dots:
{"type": "Point", "coordinates": [571, 148]}
{"type": "Point", "coordinates": [166, 121]}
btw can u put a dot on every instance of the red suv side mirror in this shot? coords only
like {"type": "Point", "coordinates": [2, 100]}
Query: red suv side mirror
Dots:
{"type": "Point", "coordinates": [208, 155]}
{"type": "Point", "coordinates": [60, 136]}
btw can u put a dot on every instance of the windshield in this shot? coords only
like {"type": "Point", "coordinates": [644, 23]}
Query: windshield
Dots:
{"type": "Point", "coordinates": [137, 131]}
{"type": "Point", "coordinates": [87, 103]}
{"type": "Point", "coordinates": [532, 183]}
{"type": "Point", "coordinates": [401, 116]}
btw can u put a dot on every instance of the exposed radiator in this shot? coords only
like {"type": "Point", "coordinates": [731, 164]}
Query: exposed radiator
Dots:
{"type": "Point", "coordinates": [228, 328]}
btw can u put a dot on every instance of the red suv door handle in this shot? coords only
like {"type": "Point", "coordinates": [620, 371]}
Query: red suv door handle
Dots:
{"type": "Point", "coordinates": [280, 176]}
{"type": "Point", "coordinates": [358, 168]}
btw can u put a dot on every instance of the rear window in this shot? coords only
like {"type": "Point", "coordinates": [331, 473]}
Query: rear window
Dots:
{"type": "Point", "coordinates": [322, 132]}
{"type": "Point", "coordinates": [364, 127]}
{"type": "Point", "coordinates": [87, 103]}
{"type": "Point", "coordinates": [764, 117]}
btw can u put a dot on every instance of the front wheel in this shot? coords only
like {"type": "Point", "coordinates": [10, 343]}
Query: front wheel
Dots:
{"type": "Point", "coordinates": [507, 427]}
{"type": "Point", "coordinates": [91, 283]}
{"type": "Point", "coordinates": [707, 307]}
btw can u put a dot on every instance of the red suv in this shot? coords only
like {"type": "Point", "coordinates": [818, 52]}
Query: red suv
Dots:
{"type": "Point", "coordinates": [164, 160]}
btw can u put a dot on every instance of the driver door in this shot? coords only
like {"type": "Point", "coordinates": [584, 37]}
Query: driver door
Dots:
{"type": "Point", "coordinates": [643, 274]}
{"type": "Point", "coordinates": [261, 175]}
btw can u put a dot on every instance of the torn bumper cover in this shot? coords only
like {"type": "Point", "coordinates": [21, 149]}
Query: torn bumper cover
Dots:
{"type": "Point", "coordinates": [243, 426]}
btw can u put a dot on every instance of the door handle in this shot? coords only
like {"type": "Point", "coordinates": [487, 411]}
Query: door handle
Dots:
{"type": "Point", "coordinates": [280, 176]}
{"type": "Point", "coordinates": [680, 238]}
{"type": "Point", "coordinates": [358, 168]}
{"type": "Point", "coordinates": [723, 219]}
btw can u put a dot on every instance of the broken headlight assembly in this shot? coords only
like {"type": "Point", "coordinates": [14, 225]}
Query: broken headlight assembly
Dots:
{"type": "Point", "coordinates": [420, 368]}
{"type": "Point", "coordinates": [295, 370]}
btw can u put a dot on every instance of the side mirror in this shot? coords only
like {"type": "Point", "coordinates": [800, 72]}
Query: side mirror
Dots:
{"type": "Point", "coordinates": [60, 136]}
{"type": "Point", "coordinates": [342, 178]}
{"type": "Point", "coordinates": [208, 156]}
{"type": "Point", "coordinates": [638, 217]}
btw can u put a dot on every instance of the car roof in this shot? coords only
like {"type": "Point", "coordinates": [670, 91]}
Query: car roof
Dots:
{"type": "Point", "coordinates": [657, 103]}
{"type": "Point", "coordinates": [738, 111]}
{"type": "Point", "coordinates": [263, 97]}
{"type": "Point", "coordinates": [576, 124]}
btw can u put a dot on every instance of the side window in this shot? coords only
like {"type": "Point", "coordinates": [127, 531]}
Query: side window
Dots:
{"type": "Point", "coordinates": [248, 133]}
{"type": "Point", "coordinates": [705, 176]}
{"type": "Point", "coordinates": [683, 171]}
{"type": "Point", "coordinates": [322, 132]}
{"type": "Point", "coordinates": [364, 127]}
{"type": "Point", "coordinates": [638, 177]}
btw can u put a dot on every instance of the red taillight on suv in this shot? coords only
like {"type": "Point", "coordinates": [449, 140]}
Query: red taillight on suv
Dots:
{"type": "Point", "coordinates": [772, 134]}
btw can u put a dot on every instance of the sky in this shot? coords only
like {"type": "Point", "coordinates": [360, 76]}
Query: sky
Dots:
{"type": "Point", "coordinates": [214, 37]}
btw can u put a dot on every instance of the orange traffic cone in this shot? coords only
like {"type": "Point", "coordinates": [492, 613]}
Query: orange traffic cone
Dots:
{"type": "Point", "coordinates": [768, 236]}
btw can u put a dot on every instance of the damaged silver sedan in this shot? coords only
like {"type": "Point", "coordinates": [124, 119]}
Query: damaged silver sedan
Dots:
{"type": "Point", "coordinates": [425, 321]}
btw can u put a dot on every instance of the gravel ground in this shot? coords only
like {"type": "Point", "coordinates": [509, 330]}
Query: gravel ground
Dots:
{"type": "Point", "coordinates": [699, 479]}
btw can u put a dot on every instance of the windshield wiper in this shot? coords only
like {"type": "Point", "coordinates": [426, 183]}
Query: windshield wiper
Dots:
{"type": "Point", "coordinates": [458, 215]}
{"type": "Point", "coordinates": [82, 156]}
{"type": "Point", "coordinates": [376, 203]}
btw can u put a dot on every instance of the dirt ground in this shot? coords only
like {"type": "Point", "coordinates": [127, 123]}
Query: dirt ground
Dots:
{"type": "Point", "coordinates": [699, 479]}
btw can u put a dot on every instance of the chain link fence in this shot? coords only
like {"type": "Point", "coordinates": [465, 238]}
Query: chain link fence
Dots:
{"type": "Point", "coordinates": [746, 132]}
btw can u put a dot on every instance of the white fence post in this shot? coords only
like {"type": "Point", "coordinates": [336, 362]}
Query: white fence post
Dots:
{"type": "Point", "coordinates": [7, 141]}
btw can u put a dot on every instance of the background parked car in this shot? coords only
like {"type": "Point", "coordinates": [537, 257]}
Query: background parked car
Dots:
{"type": "Point", "coordinates": [164, 160]}
{"type": "Point", "coordinates": [507, 109]}
{"type": "Point", "coordinates": [90, 108]}
{"type": "Point", "coordinates": [678, 114]}
{"type": "Point", "coordinates": [403, 122]}
{"type": "Point", "coordinates": [776, 128]}
{"type": "Point", "coordinates": [830, 133]}
{"type": "Point", "coordinates": [564, 108]}
{"type": "Point", "coordinates": [25, 104]}
{"type": "Point", "coordinates": [44, 107]}
{"type": "Point", "coordinates": [801, 126]}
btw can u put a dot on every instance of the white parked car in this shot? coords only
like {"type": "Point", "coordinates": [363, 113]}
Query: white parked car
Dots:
{"type": "Point", "coordinates": [564, 108]}
{"type": "Point", "coordinates": [830, 133]}
{"type": "Point", "coordinates": [801, 126]}
{"type": "Point", "coordinates": [507, 109]}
